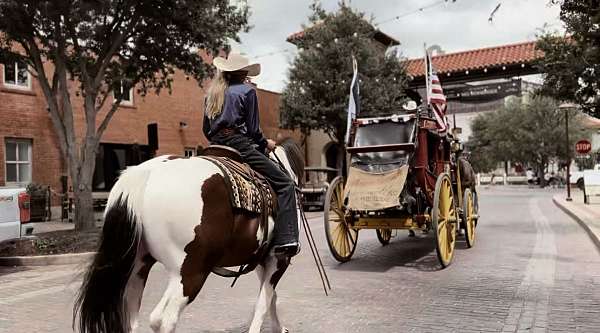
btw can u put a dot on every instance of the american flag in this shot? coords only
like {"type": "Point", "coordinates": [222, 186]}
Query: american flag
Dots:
{"type": "Point", "coordinates": [435, 94]}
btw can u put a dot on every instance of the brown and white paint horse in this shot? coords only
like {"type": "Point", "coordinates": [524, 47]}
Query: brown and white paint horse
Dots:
{"type": "Point", "coordinates": [175, 211]}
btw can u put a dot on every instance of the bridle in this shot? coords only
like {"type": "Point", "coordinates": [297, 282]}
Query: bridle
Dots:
{"type": "Point", "coordinates": [308, 232]}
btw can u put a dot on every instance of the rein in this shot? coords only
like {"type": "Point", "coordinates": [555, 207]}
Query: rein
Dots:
{"type": "Point", "coordinates": [309, 235]}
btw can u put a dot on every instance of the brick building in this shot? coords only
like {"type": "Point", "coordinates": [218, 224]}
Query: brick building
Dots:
{"type": "Point", "coordinates": [29, 150]}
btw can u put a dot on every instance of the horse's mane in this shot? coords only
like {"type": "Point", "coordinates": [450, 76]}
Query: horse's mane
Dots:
{"type": "Point", "coordinates": [295, 156]}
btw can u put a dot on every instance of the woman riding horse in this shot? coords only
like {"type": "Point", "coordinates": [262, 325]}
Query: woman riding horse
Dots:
{"type": "Point", "coordinates": [231, 118]}
{"type": "Point", "coordinates": [178, 212]}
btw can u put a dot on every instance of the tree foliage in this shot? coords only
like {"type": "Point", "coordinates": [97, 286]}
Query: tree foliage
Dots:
{"type": "Point", "coordinates": [571, 63]}
{"type": "Point", "coordinates": [528, 133]}
{"type": "Point", "coordinates": [316, 97]}
{"type": "Point", "coordinates": [97, 46]}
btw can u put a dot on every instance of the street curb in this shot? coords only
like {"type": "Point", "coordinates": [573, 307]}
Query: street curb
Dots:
{"type": "Point", "coordinates": [56, 259]}
{"type": "Point", "coordinates": [595, 239]}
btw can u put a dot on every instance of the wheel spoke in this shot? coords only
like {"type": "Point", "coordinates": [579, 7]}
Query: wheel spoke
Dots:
{"type": "Point", "coordinates": [346, 243]}
{"type": "Point", "coordinates": [349, 242]}
{"type": "Point", "coordinates": [338, 237]}
{"type": "Point", "coordinates": [353, 237]}
{"type": "Point", "coordinates": [339, 196]}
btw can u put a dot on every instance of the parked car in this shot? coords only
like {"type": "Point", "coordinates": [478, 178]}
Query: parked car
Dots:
{"type": "Point", "coordinates": [577, 177]}
{"type": "Point", "coordinates": [14, 212]}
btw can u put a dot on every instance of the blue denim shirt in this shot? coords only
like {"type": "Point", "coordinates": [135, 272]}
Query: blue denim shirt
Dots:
{"type": "Point", "coordinates": [240, 111]}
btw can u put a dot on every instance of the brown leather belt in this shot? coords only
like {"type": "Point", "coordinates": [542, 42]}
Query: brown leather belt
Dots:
{"type": "Point", "coordinates": [228, 131]}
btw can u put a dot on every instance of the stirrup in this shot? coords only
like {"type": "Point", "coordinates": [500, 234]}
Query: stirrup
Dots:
{"type": "Point", "coordinates": [289, 249]}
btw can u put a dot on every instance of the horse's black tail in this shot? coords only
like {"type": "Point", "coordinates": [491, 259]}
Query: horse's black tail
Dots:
{"type": "Point", "coordinates": [101, 305]}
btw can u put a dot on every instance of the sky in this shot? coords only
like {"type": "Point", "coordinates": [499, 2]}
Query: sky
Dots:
{"type": "Point", "coordinates": [454, 26]}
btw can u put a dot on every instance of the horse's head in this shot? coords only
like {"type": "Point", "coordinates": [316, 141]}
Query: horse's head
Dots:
{"type": "Point", "coordinates": [292, 158]}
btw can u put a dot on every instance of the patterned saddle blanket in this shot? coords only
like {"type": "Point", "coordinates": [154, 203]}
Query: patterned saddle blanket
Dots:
{"type": "Point", "coordinates": [250, 190]}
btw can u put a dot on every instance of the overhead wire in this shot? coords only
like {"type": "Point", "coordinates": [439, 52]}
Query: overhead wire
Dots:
{"type": "Point", "coordinates": [420, 9]}
{"type": "Point", "coordinates": [397, 17]}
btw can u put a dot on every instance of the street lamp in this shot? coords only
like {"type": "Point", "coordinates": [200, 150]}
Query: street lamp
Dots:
{"type": "Point", "coordinates": [567, 107]}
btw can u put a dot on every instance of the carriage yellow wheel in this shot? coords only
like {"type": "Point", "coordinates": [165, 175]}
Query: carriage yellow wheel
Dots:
{"type": "Point", "coordinates": [384, 236]}
{"type": "Point", "coordinates": [341, 238]}
{"type": "Point", "coordinates": [444, 219]}
{"type": "Point", "coordinates": [469, 217]}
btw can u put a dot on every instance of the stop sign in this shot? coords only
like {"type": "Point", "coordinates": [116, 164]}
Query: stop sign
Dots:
{"type": "Point", "coordinates": [583, 146]}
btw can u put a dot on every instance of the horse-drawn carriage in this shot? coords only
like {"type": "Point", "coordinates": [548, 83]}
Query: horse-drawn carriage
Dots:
{"type": "Point", "coordinates": [402, 174]}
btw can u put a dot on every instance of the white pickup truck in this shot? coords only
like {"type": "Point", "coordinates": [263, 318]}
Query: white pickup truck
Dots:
{"type": "Point", "coordinates": [14, 212]}
{"type": "Point", "coordinates": [577, 177]}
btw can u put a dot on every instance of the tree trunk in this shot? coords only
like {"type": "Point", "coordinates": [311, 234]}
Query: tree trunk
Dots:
{"type": "Point", "coordinates": [84, 210]}
{"type": "Point", "coordinates": [82, 173]}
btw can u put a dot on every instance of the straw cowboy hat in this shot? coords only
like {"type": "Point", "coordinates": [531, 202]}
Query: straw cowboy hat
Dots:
{"type": "Point", "coordinates": [236, 62]}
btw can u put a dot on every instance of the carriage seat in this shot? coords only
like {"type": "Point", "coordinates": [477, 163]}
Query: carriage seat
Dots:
{"type": "Point", "coordinates": [223, 151]}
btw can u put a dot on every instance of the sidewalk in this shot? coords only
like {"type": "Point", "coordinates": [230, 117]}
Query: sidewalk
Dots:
{"type": "Point", "coordinates": [588, 216]}
{"type": "Point", "coordinates": [56, 225]}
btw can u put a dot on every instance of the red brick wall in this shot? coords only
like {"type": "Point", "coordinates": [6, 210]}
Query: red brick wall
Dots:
{"type": "Point", "coordinates": [24, 115]}
{"type": "Point", "coordinates": [268, 104]}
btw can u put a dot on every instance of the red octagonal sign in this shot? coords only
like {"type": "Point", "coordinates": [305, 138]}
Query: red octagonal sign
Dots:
{"type": "Point", "coordinates": [583, 146]}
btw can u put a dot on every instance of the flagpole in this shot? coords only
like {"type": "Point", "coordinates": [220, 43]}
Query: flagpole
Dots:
{"type": "Point", "coordinates": [426, 76]}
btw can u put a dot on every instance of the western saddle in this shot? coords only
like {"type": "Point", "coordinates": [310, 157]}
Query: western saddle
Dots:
{"type": "Point", "coordinates": [250, 192]}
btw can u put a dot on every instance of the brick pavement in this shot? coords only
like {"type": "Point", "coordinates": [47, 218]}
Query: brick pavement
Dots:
{"type": "Point", "coordinates": [587, 215]}
{"type": "Point", "coordinates": [531, 270]}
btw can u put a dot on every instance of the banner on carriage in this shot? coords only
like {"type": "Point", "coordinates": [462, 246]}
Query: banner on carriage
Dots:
{"type": "Point", "coordinates": [353, 99]}
{"type": "Point", "coordinates": [435, 95]}
{"type": "Point", "coordinates": [372, 191]}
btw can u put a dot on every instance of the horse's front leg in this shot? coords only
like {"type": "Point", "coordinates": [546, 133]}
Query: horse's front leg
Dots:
{"type": "Point", "coordinates": [269, 272]}
{"type": "Point", "coordinates": [275, 323]}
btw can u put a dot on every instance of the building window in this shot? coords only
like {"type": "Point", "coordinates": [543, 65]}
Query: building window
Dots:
{"type": "Point", "coordinates": [125, 93]}
{"type": "Point", "coordinates": [18, 161]}
{"type": "Point", "coordinates": [16, 75]}
{"type": "Point", "coordinates": [189, 152]}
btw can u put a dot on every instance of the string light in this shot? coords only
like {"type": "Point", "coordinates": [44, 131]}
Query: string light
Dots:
{"type": "Point", "coordinates": [273, 53]}
{"type": "Point", "coordinates": [418, 10]}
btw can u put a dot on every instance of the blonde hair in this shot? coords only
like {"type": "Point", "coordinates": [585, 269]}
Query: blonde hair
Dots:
{"type": "Point", "coordinates": [216, 95]}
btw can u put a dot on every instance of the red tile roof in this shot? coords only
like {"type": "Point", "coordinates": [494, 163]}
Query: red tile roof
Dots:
{"type": "Point", "coordinates": [512, 54]}
{"type": "Point", "coordinates": [591, 122]}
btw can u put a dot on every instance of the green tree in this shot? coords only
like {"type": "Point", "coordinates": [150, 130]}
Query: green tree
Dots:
{"type": "Point", "coordinates": [571, 63]}
{"type": "Point", "coordinates": [316, 97]}
{"type": "Point", "coordinates": [96, 47]}
{"type": "Point", "coordinates": [530, 133]}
